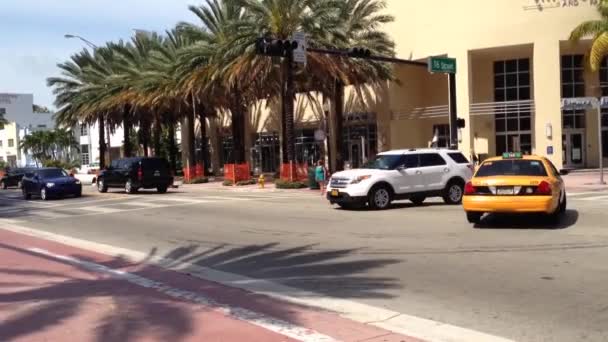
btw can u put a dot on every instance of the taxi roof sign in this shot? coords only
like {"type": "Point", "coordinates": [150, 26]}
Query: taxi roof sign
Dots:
{"type": "Point", "coordinates": [512, 155]}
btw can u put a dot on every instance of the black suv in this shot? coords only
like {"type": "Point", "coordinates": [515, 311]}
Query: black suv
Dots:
{"type": "Point", "coordinates": [137, 173]}
{"type": "Point", "coordinates": [13, 177]}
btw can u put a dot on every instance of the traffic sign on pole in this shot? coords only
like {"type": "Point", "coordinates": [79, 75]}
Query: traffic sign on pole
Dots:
{"type": "Point", "coordinates": [443, 65]}
{"type": "Point", "coordinates": [299, 54]}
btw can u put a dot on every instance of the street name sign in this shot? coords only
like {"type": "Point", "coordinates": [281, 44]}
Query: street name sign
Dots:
{"type": "Point", "coordinates": [443, 65]}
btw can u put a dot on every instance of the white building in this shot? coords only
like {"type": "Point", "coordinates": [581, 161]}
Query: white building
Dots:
{"type": "Point", "coordinates": [88, 137]}
{"type": "Point", "coordinates": [18, 110]}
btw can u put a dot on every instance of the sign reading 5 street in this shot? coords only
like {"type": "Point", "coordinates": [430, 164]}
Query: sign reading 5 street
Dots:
{"type": "Point", "coordinates": [443, 65]}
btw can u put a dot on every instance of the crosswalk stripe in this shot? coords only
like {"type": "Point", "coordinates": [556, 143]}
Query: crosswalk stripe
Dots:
{"type": "Point", "coordinates": [101, 209]}
{"type": "Point", "coordinates": [49, 214]}
{"type": "Point", "coordinates": [595, 198]}
{"type": "Point", "coordinates": [143, 204]}
{"type": "Point", "coordinates": [581, 194]}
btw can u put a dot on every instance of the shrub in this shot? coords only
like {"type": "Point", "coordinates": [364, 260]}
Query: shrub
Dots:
{"type": "Point", "coordinates": [199, 180]}
{"type": "Point", "coordinates": [282, 184]}
{"type": "Point", "coordinates": [239, 183]}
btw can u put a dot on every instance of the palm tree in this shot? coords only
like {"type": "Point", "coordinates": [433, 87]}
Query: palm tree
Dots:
{"type": "Point", "coordinates": [598, 31]}
{"type": "Point", "coordinates": [37, 144]}
{"type": "Point", "coordinates": [205, 74]}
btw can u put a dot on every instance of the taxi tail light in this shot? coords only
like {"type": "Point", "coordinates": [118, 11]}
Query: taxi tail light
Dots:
{"type": "Point", "coordinates": [544, 188]}
{"type": "Point", "coordinates": [469, 189]}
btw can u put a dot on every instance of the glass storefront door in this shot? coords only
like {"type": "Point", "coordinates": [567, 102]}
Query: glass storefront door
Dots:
{"type": "Point", "coordinates": [573, 144]}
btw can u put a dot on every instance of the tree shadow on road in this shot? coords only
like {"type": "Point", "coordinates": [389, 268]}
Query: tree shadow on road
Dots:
{"type": "Point", "coordinates": [337, 273]}
{"type": "Point", "coordinates": [138, 311]}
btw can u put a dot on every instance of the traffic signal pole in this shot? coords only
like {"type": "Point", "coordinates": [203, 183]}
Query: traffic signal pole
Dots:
{"type": "Point", "coordinates": [289, 116]}
{"type": "Point", "coordinates": [453, 112]}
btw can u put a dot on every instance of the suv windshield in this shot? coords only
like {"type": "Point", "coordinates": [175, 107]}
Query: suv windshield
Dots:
{"type": "Point", "coordinates": [534, 168]}
{"type": "Point", "coordinates": [52, 173]}
{"type": "Point", "coordinates": [383, 162]}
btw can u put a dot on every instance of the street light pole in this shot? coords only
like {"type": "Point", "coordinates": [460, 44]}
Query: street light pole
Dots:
{"type": "Point", "coordinates": [72, 36]}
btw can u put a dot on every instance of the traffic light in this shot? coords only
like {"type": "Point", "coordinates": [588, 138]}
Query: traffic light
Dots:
{"type": "Point", "coordinates": [275, 47]}
{"type": "Point", "coordinates": [460, 123]}
{"type": "Point", "coordinates": [359, 53]}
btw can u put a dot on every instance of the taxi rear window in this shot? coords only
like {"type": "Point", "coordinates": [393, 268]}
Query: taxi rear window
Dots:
{"type": "Point", "coordinates": [534, 168]}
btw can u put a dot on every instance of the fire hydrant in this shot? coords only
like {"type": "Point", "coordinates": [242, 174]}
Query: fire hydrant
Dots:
{"type": "Point", "coordinates": [261, 181]}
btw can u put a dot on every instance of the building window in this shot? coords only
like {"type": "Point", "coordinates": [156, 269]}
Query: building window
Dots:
{"type": "Point", "coordinates": [512, 82]}
{"type": "Point", "coordinates": [0, 143]}
{"type": "Point", "coordinates": [2, 111]}
{"type": "Point", "coordinates": [84, 154]}
{"type": "Point", "coordinates": [41, 126]}
{"type": "Point", "coordinates": [573, 85]}
{"type": "Point", "coordinates": [604, 87]}
{"type": "Point", "coordinates": [84, 130]}
{"type": "Point", "coordinates": [11, 142]}
{"type": "Point", "coordinates": [443, 135]}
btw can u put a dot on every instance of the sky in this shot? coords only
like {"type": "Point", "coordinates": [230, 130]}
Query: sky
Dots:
{"type": "Point", "coordinates": [32, 40]}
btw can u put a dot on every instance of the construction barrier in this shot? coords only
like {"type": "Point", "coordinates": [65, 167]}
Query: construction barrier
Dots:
{"type": "Point", "coordinates": [189, 173]}
{"type": "Point", "coordinates": [237, 172]}
{"type": "Point", "coordinates": [199, 170]}
{"type": "Point", "coordinates": [294, 172]}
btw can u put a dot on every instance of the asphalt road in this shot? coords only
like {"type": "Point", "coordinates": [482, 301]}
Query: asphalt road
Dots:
{"type": "Point", "coordinates": [515, 277]}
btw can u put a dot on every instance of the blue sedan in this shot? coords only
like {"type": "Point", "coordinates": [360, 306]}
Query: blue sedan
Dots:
{"type": "Point", "coordinates": [50, 182]}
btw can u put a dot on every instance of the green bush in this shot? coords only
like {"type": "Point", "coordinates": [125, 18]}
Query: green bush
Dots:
{"type": "Point", "coordinates": [53, 163]}
{"type": "Point", "coordinates": [239, 183]}
{"type": "Point", "coordinates": [199, 180]}
{"type": "Point", "coordinates": [282, 184]}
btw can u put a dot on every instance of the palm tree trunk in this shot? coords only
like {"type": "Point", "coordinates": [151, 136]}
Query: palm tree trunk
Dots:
{"type": "Point", "coordinates": [238, 124]}
{"type": "Point", "coordinates": [145, 135]}
{"type": "Point", "coordinates": [158, 131]}
{"type": "Point", "coordinates": [338, 102]}
{"type": "Point", "coordinates": [187, 132]}
{"type": "Point", "coordinates": [126, 128]}
{"type": "Point", "coordinates": [288, 111]}
{"type": "Point", "coordinates": [204, 154]}
{"type": "Point", "coordinates": [172, 145]}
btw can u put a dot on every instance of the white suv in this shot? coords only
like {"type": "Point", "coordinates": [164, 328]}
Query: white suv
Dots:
{"type": "Point", "coordinates": [413, 174]}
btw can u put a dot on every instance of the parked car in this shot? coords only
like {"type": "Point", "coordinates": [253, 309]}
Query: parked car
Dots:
{"type": "Point", "coordinates": [137, 173]}
{"type": "Point", "coordinates": [13, 178]}
{"type": "Point", "coordinates": [90, 169]}
{"type": "Point", "coordinates": [49, 183]}
{"type": "Point", "coordinates": [414, 174]}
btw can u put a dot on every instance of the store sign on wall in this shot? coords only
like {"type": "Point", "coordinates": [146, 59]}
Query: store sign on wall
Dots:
{"type": "Point", "coordinates": [541, 5]}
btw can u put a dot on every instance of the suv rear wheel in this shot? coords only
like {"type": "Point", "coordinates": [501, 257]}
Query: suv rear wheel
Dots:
{"type": "Point", "coordinates": [380, 197]}
{"type": "Point", "coordinates": [129, 187]}
{"type": "Point", "coordinates": [101, 185]}
{"type": "Point", "coordinates": [453, 193]}
{"type": "Point", "coordinates": [161, 189]}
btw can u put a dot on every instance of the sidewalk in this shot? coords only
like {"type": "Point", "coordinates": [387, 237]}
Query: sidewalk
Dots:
{"type": "Point", "coordinates": [269, 187]}
{"type": "Point", "coordinates": [586, 181]}
{"type": "Point", "coordinates": [53, 292]}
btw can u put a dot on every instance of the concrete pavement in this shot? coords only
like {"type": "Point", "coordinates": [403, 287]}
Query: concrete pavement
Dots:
{"type": "Point", "coordinates": [53, 292]}
{"type": "Point", "coordinates": [518, 278]}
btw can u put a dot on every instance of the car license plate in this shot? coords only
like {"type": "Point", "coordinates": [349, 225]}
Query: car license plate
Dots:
{"type": "Point", "coordinates": [505, 191]}
{"type": "Point", "coordinates": [335, 193]}
{"type": "Point", "coordinates": [156, 173]}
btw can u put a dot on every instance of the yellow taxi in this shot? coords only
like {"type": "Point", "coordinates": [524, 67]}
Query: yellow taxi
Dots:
{"type": "Point", "coordinates": [514, 183]}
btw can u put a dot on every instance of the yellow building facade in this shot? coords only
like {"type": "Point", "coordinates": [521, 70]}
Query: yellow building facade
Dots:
{"type": "Point", "coordinates": [514, 65]}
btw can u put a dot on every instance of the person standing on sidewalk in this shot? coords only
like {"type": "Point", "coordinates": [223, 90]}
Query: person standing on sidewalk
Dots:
{"type": "Point", "coordinates": [321, 175]}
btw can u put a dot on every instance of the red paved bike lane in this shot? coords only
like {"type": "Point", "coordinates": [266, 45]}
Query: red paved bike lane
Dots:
{"type": "Point", "coordinates": [54, 292]}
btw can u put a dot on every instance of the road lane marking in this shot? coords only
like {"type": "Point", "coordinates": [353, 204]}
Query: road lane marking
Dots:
{"type": "Point", "coordinates": [417, 327]}
{"type": "Point", "coordinates": [594, 198]}
{"type": "Point", "coordinates": [100, 209]}
{"type": "Point", "coordinates": [261, 320]}
{"type": "Point", "coordinates": [580, 194]}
